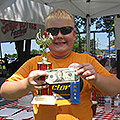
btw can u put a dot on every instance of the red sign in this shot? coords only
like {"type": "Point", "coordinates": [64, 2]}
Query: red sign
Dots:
{"type": "Point", "coordinates": [12, 30]}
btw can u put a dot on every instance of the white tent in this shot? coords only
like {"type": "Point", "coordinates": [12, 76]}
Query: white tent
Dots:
{"type": "Point", "coordinates": [24, 11]}
{"type": "Point", "coordinates": [83, 8]}
{"type": "Point", "coordinates": [34, 12]}
{"type": "Point", "coordinates": [87, 9]}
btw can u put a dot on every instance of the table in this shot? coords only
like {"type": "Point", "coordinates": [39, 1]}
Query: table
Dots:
{"type": "Point", "coordinates": [101, 115]}
{"type": "Point", "coordinates": [27, 111]}
{"type": "Point", "coordinates": [13, 111]}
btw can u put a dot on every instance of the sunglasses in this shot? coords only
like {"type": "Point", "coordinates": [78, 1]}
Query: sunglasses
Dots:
{"type": "Point", "coordinates": [64, 30]}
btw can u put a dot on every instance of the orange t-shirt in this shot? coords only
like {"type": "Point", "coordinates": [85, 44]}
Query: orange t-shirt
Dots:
{"type": "Point", "coordinates": [63, 109]}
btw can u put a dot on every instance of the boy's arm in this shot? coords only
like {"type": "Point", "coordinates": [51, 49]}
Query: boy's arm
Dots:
{"type": "Point", "coordinates": [12, 90]}
{"type": "Point", "coordinates": [108, 85]}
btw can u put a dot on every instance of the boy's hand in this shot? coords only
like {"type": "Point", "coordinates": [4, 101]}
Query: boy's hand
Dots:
{"type": "Point", "coordinates": [32, 81]}
{"type": "Point", "coordinates": [87, 71]}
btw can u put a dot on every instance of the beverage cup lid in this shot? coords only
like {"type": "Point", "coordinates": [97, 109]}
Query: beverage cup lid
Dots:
{"type": "Point", "coordinates": [107, 101]}
{"type": "Point", "coordinates": [94, 102]}
{"type": "Point", "coordinates": [119, 103]}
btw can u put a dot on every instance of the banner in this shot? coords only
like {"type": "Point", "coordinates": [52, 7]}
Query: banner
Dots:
{"type": "Point", "coordinates": [112, 48]}
{"type": "Point", "coordinates": [15, 31]}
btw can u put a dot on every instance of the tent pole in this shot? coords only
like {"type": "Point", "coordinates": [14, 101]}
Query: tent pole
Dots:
{"type": "Point", "coordinates": [0, 51]}
{"type": "Point", "coordinates": [94, 45]}
{"type": "Point", "coordinates": [109, 51]}
{"type": "Point", "coordinates": [118, 64]}
{"type": "Point", "coordinates": [88, 35]}
{"type": "Point", "coordinates": [1, 56]}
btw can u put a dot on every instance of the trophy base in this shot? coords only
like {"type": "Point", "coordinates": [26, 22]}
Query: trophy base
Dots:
{"type": "Point", "coordinates": [44, 100]}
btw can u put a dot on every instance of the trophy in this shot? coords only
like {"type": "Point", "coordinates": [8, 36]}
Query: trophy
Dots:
{"type": "Point", "coordinates": [44, 95]}
{"type": "Point", "coordinates": [44, 64]}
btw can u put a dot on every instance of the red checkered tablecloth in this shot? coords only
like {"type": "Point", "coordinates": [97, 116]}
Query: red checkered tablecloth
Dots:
{"type": "Point", "coordinates": [101, 115]}
{"type": "Point", "coordinates": [15, 104]}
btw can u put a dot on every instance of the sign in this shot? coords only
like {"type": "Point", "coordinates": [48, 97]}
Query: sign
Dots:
{"type": "Point", "coordinates": [15, 31]}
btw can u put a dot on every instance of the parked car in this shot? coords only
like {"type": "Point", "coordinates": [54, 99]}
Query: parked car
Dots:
{"type": "Point", "coordinates": [111, 56]}
{"type": "Point", "coordinates": [12, 59]}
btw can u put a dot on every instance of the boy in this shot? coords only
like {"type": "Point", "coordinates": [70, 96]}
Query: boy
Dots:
{"type": "Point", "coordinates": [60, 24]}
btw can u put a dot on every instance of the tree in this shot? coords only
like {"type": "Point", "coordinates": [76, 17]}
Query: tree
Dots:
{"type": "Point", "coordinates": [105, 23]}
{"type": "Point", "coordinates": [82, 44]}
{"type": "Point", "coordinates": [112, 42]}
{"type": "Point", "coordinates": [34, 51]}
{"type": "Point", "coordinates": [13, 55]}
{"type": "Point", "coordinates": [80, 26]}
{"type": "Point", "coordinates": [81, 23]}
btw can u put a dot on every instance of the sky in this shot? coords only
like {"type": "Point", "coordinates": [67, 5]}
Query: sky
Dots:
{"type": "Point", "coordinates": [9, 48]}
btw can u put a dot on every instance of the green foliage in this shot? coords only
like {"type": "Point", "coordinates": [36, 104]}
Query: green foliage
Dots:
{"type": "Point", "coordinates": [12, 55]}
{"type": "Point", "coordinates": [112, 42]}
{"type": "Point", "coordinates": [76, 46]}
{"type": "Point", "coordinates": [106, 23]}
{"type": "Point", "coordinates": [81, 23]}
{"type": "Point", "coordinates": [81, 43]}
{"type": "Point", "coordinates": [34, 51]}
{"type": "Point", "coordinates": [16, 55]}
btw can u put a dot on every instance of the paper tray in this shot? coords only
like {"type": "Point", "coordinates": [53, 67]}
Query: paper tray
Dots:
{"type": "Point", "coordinates": [44, 100]}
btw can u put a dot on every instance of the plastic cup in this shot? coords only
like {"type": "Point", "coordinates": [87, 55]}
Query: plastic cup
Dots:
{"type": "Point", "coordinates": [94, 106]}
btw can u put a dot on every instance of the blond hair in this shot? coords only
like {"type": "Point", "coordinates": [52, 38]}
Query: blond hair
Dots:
{"type": "Point", "coordinates": [59, 14]}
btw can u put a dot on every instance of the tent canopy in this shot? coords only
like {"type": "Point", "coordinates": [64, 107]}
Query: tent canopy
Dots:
{"type": "Point", "coordinates": [86, 8]}
{"type": "Point", "coordinates": [24, 11]}
{"type": "Point", "coordinates": [35, 11]}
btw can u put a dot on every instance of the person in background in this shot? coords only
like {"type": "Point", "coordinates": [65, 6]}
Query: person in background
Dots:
{"type": "Point", "coordinates": [6, 62]}
{"type": "Point", "coordinates": [60, 23]}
